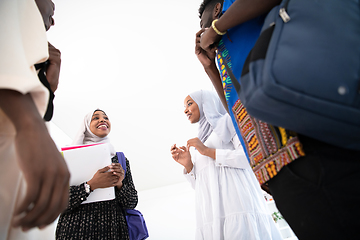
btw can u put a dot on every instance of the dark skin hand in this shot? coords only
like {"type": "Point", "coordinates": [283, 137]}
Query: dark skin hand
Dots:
{"type": "Point", "coordinates": [207, 59]}
{"type": "Point", "coordinates": [42, 165]}
{"type": "Point", "coordinates": [203, 150]}
{"type": "Point", "coordinates": [53, 68]}
{"type": "Point", "coordinates": [182, 156]}
{"type": "Point", "coordinates": [239, 12]}
{"type": "Point", "coordinates": [118, 170]}
{"type": "Point", "coordinates": [109, 176]}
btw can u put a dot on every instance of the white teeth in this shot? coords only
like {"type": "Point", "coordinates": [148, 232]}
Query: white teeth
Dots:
{"type": "Point", "coordinates": [102, 125]}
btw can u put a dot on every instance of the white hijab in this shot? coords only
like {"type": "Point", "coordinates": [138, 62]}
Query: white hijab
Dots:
{"type": "Point", "coordinates": [85, 136]}
{"type": "Point", "coordinates": [213, 116]}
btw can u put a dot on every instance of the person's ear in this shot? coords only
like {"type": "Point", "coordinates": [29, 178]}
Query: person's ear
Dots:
{"type": "Point", "coordinates": [217, 11]}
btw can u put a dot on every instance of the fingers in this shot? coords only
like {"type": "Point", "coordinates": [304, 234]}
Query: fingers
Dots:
{"type": "Point", "coordinates": [35, 217]}
{"type": "Point", "coordinates": [116, 168]}
{"type": "Point", "coordinates": [197, 42]}
{"type": "Point", "coordinates": [59, 200]}
{"type": "Point", "coordinates": [174, 150]}
{"type": "Point", "coordinates": [105, 169]}
{"type": "Point", "coordinates": [26, 205]}
{"type": "Point", "coordinates": [190, 143]}
{"type": "Point", "coordinates": [208, 39]}
{"type": "Point", "coordinates": [53, 69]}
{"type": "Point", "coordinates": [52, 199]}
{"type": "Point", "coordinates": [177, 150]}
{"type": "Point", "coordinates": [199, 33]}
{"type": "Point", "coordinates": [185, 149]}
{"type": "Point", "coordinates": [194, 142]}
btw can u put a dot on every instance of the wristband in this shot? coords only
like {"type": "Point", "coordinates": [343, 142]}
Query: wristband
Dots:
{"type": "Point", "coordinates": [215, 29]}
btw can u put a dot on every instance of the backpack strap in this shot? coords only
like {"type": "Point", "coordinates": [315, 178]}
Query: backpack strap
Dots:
{"type": "Point", "coordinates": [122, 160]}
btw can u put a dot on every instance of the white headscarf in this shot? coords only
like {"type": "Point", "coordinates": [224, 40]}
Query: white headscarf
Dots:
{"type": "Point", "coordinates": [85, 136]}
{"type": "Point", "coordinates": [213, 116]}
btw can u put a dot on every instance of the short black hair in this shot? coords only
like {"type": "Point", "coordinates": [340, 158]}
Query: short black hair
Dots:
{"type": "Point", "coordinates": [208, 3]}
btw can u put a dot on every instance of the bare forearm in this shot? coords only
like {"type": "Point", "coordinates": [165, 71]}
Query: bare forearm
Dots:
{"type": "Point", "coordinates": [214, 76]}
{"type": "Point", "coordinates": [20, 109]}
{"type": "Point", "coordinates": [189, 167]}
{"type": "Point", "coordinates": [210, 152]}
{"type": "Point", "coordinates": [42, 166]}
{"type": "Point", "coordinates": [243, 10]}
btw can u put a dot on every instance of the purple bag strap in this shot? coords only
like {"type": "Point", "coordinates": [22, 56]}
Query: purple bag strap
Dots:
{"type": "Point", "coordinates": [122, 160]}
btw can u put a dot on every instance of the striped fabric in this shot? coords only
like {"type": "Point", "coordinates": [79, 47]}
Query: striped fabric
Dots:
{"type": "Point", "coordinates": [269, 148]}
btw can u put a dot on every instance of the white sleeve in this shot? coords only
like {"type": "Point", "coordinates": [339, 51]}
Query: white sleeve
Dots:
{"type": "Point", "coordinates": [232, 158]}
{"type": "Point", "coordinates": [23, 43]}
{"type": "Point", "coordinates": [191, 177]}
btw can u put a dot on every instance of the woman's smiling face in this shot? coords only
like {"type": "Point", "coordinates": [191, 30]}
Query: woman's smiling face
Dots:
{"type": "Point", "coordinates": [100, 124]}
{"type": "Point", "coordinates": [191, 110]}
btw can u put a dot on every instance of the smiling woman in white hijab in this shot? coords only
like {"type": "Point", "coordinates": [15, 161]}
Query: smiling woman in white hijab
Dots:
{"type": "Point", "coordinates": [103, 219]}
{"type": "Point", "coordinates": [86, 136]}
{"type": "Point", "coordinates": [229, 201]}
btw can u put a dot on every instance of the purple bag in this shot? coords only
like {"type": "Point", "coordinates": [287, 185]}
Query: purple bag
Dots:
{"type": "Point", "coordinates": [134, 218]}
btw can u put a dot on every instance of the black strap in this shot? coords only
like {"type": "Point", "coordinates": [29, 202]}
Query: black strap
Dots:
{"type": "Point", "coordinates": [50, 108]}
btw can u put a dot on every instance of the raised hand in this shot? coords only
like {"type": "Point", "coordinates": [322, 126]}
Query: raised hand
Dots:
{"type": "Point", "coordinates": [53, 68]}
{"type": "Point", "coordinates": [202, 149]}
{"type": "Point", "coordinates": [182, 156]}
{"type": "Point", "coordinates": [117, 169]}
{"type": "Point", "coordinates": [206, 58]}
{"type": "Point", "coordinates": [209, 40]}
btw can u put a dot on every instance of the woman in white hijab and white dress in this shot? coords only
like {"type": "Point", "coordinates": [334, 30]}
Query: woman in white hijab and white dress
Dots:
{"type": "Point", "coordinates": [229, 201]}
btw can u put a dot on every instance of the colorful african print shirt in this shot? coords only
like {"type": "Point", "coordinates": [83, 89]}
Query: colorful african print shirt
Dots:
{"type": "Point", "coordinates": [268, 147]}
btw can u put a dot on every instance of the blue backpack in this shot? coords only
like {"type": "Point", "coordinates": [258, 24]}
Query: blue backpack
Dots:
{"type": "Point", "coordinates": [134, 218]}
{"type": "Point", "coordinates": [303, 73]}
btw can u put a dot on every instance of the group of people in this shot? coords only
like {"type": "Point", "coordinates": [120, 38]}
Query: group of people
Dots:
{"type": "Point", "coordinates": [314, 184]}
{"type": "Point", "coordinates": [34, 176]}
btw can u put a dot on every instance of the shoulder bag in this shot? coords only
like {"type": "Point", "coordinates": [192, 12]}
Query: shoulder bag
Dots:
{"type": "Point", "coordinates": [303, 73]}
{"type": "Point", "coordinates": [134, 218]}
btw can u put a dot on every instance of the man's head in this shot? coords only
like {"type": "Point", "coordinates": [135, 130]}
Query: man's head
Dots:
{"type": "Point", "coordinates": [209, 10]}
{"type": "Point", "coordinates": [46, 8]}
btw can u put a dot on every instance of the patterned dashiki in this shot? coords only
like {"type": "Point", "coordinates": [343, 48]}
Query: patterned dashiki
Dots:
{"type": "Point", "coordinates": [268, 147]}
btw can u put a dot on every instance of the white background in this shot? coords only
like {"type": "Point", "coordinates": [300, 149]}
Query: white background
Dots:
{"type": "Point", "coordinates": [135, 60]}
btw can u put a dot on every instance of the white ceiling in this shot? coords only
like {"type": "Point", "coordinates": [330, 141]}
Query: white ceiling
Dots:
{"type": "Point", "coordinates": [136, 61]}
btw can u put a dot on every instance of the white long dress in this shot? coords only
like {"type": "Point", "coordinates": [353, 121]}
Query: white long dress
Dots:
{"type": "Point", "coordinates": [229, 200]}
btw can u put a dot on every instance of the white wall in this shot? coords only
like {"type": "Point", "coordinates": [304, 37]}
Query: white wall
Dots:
{"type": "Point", "coordinates": [169, 212]}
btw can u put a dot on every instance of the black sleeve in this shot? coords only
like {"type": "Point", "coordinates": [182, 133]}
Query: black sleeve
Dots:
{"type": "Point", "coordinates": [77, 195]}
